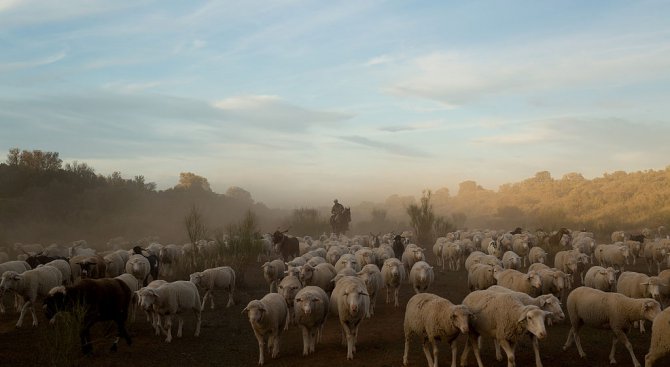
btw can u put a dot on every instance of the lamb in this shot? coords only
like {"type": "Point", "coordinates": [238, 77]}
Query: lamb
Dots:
{"type": "Point", "coordinates": [660, 338]}
{"type": "Point", "coordinates": [601, 278]}
{"type": "Point", "coordinates": [537, 255]}
{"type": "Point", "coordinates": [273, 272]}
{"type": "Point", "coordinates": [268, 318]}
{"type": "Point", "coordinates": [504, 318]}
{"type": "Point", "coordinates": [638, 285]}
{"type": "Point", "coordinates": [518, 281]}
{"type": "Point", "coordinates": [30, 285]}
{"type": "Point", "coordinates": [222, 277]}
{"type": "Point", "coordinates": [511, 260]}
{"type": "Point", "coordinates": [482, 276]}
{"type": "Point", "coordinates": [393, 273]}
{"type": "Point", "coordinates": [597, 308]}
{"type": "Point", "coordinates": [311, 306]}
{"type": "Point", "coordinates": [421, 276]}
{"type": "Point", "coordinates": [288, 288]}
{"type": "Point", "coordinates": [434, 318]}
{"type": "Point", "coordinates": [320, 275]}
{"type": "Point", "coordinates": [351, 302]}
{"type": "Point", "coordinates": [139, 267]}
{"type": "Point", "coordinates": [170, 300]}
{"type": "Point", "coordinates": [372, 277]}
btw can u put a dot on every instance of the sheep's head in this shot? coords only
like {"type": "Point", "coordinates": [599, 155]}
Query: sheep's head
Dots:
{"type": "Point", "coordinates": [651, 308]}
{"type": "Point", "coordinates": [460, 318]}
{"type": "Point", "coordinates": [255, 311]}
{"type": "Point", "coordinates": [532, 318]}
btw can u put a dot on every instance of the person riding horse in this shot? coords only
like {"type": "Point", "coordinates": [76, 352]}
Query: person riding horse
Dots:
{"type": "Point", "coordinates": [335, 220]}
{"type": "Point", "coordinates": [337, 209]}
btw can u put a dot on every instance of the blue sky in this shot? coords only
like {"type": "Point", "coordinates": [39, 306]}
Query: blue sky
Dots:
{"type": "Point", "coordinates": [302, 101]}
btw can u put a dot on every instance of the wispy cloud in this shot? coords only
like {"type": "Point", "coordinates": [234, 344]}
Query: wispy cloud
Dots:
{"type": "Point", "coordinates": [411, 127]}
{"type": "Point", "coordinates": [395, 149]}
{"type": "Point", "coordinates": [379, 60]}
{"type": "Point", "coordinates": [18, 65]}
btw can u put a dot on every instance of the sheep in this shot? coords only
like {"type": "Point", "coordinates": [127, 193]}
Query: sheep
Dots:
{"type": "Point", "coordinates": [172, 299]}
{"type": "Point", "coordinates": [288, 287]}
{"type": "Point", "coordinates": [545, 302]}
{"type": "Point", "coordinates": [100, 300]}
{"type": "Point", "coordinates": [64, 268]}
{"type": "Point", "coordinates": [537, 255]}
{"type": "Point", "coordinates": [421, 276]}
{"type": "Point", "coordinates": [372, 277]}
{"type": "Point", "coordinates": [169, 254]}
{"type": "Point", "coordinates": [521, 247]}
{"type": "Point", "coordinates": [393, 273]}
{"type": "Point", "coordinates": [134, 286]}
{"type": "Point", "coordinates": [316, 260]}
{"type": "Point", "coordinates": [18, 266]}
{"type": "Point", "coordinates": [660, 338]}
{"type": "Point", "coordinates": [30, 285]}
{"type": "Point", "coordinates": [152, 316]}
{"type": "Point", "coordinates": [482, 276]}
{"type": "Point", "coordinates": [434, 318]}
{"type": "Point", "coordinates": [638, 285]}
{"type": "Point", "coordinates": [222, 277]}
{"type": "Point", "coordinates": [585, 245]}
{"type": "Point", "coordinates": [478, 257]}
{"type": "Point", "coordinates": [518, 281]}
{"type": "Point", "coordinates": [593, 307]}
{"type": "Point", "coordinates": [511, 260]}
{"type": "Point", "coordinates": [411, 255]}
{"type": "Point", "coordinates": [268, 318]}
{"type": "Point", "coordinates": [554, 281]}
{"type": "Point", "coordinates": [664, 276]}
{"type": "Point", "coordinates": [310, 306]}
{"type": "Point", "coordinates": [351, 302]}
{"type": "Point", "coordinates": [566, 261]}
{"type": "Point", "coordinates": [657, 252]}
{"type": "Point", "coordinates": [613, 255]}
{"type": "Point", "coordinates": [114, 265]}
{"type": "Point", "coordinates": [438, 249]}
{"type": "Point", "coordinates": [139, 267]}
{"type": "Point", "coordinates": [365, 256]}
{"type": "Point", "coordinates": [504, 318]}
{"type": "Point", "coordinates": [452, 254]}
{"type": "Point", "coordinates": [634, 247]}
{"type": "Point", "coordinates": [347, 261]}
{"type": "Point", "coordinates": [319, 275]}
{"type": "Point", "coordinates": [382, 253]}
{"type": "Point", "coordinates": [273, 272]}
{"type": "Point", "coordinates": [601, 278]}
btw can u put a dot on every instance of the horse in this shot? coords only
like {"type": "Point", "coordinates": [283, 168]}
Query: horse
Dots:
{"type": "Point", "coordinates": [340, 222]}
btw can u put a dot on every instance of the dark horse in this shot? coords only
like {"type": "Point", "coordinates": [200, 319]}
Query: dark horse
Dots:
{"type": "Point", "coordinates": [340, 222]}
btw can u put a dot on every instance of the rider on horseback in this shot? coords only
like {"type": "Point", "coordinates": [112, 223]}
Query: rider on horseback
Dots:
{"type": "Point", "coordinates": [337, 209]}
{"type": "Point", "coordinates": [340, 218]}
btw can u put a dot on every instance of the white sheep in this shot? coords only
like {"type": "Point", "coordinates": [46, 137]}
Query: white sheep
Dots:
{"type": "Point", "coordinates": [351, 302]}
{"type": "Point", "coordinates": [152, 316]}
{"type": "Point", "coordinates": [511, 260]}
{"type": "Point", "coordinates": [273, 272]}
{"type": "Point", "coordinates": [566, 261]}
{"type": "Point", "coordinates": [115, 265]}
{"type": "Point", "coordinates": [383, 253]}
{"type": "Point", "coordinates": [482, 276]}
{"type": "Point", "coordinates": [546, 302]}
{"type": "Point", "coordinates": [504, 318]}
{"type": "Point", "coordinates": [537, 255]}
{"type": "Point", "coordinates": [434, 318]}
{"type": "Point", "coordinates": [372, 277]}
{"type": "Point", "coordinates": [660, 338]}
{"type": "Point", "coordinates": [601, 278]}
{"type": "Point", "coordinates": [172, 299]}
{"type": "Point", "coordinates": [452, 253]}
{"type": "Point", "coordinates": [139, 267]}
{"type": "Point", "coordinates": [365, 256]}
{"type": "Point", "coordinates": [638, 285]}
{"type": "Point", "coordinates": [319, 275]}
{"type": "Point", "coordinates": [134, 286]}
{"type": "Point", "coordinates": [657, 252]}
{"type": "Point", "coordinates": [64, 268]}
{"type": "Point", "coordinates": [593, 307]}
{"type": "Point", "coordinates": [268, 318]}
{"type": "Point", "coordinates": [421, 276]}
{"type": "Point", "coordinates": [30, 285]}
{"type": "Point", "coordinates": [521, 247]}
{"type": "Point", "coordinates": [411, 255]}
{"type": "Point", "coordinates": [315, 260]}
{"type": "Point", "coordinates": [554, 281]}
{"type": "Point", "coordinates": [288, 288]}
{"type": "Point", "coordinates": [393, 273]}
{"type": "Point", "coordinates": [438, 249]}
{"type": "Point", "coordinates": [311, 306]}
{"type": "Point", "coordinates": [518, 281]}
{"type": "Point", "coordinates": [478, 257]}
{"type": "Point", "coordinates": [615, 256]}
{"type": "Point", "coordinates": [347, 261]}
{"type": "Point", "coordinates": [222, 277]}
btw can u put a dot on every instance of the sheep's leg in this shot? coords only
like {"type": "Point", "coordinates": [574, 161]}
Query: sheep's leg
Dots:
{"type": "Point", "coordinates": [621, 336]}
{"type": "Point", "coordinates": [426, 351]}
{"type": "Point", "coordinates": [406, 353]}
{"type": "Point", "coordinates": [388, 296]}
{"type": "Point", "coordinates": [261, 346]}
{"type": "Point", "coordinates": [23, 313]}
{"type": "Point", "coordinates": [435, 353]}
{"type": "Point", "coordinates": [642, 330]}
{"type": "Point", "coordinates": [211, 299]}
{"type": "Point", "coordinates": [168, 328]}
{"type": "Point", "coordinates": [231, 301]}
{"type": "Point", "coordinates": [570, 340]}
{"type": "Point", "coordinates": [536, 349]}
{"type": "Point", "coordinates": [275, 345]}
{"type": "Point", "coordinates": [349, 338]}
{"type": "Point", "coordinates": [497, 347]}
{"type": "Point", "coordinates": [578, 341]}
{"type": "Point", "coordinates": [454, 351]}
{"type": "Point", "coordinates": [475, 348]}
{"type": "Point", "coordinates": [198, 321]}
{"type": "Point", "coordinates": [204, 300]}
{"type": "Point", "coordinates": [651, 357]}
{"type": "Point", "coordinates": [397, 291]}
{"type": "Point", "coordinates": [180, 323]}
{"type": "Point", "coordinates": [613, 350]}
{"type": "Point", "coordinates": [313, 334]}
{"type": "Point", "coordinates": [509, 350]}
{"type": "Point", "coordinates": [305, 340]}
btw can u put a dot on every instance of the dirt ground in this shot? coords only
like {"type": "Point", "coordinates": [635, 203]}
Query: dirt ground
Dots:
{"type": "Point", "coordinates": [226, 339]}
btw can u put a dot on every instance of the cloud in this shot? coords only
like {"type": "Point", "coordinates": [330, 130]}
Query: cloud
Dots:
{"type": "Point", "coordinates": [18, 65]}
{"type": "Point", "coordinates": [411, 127]}
{"type": "Point", "coordinates": [459, 78]}
{"type": "Point", "coordinates": [379, 60]}
{"type": "Point", "coordinates": [396, 149]}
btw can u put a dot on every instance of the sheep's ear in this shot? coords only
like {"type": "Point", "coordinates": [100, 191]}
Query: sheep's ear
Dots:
{"type": "Point", "coordinates": [246, 309]}
{"type": "Point", "coordinates": [364, 294]}
{"type": "Point", "coordinates": [17, 277]}
{"type": "Point", "coordinates": [649, 305]}
{"type": "Point", "coordinates": [645, 283]}
{"type": "Point", "coordinates": [548, 313]}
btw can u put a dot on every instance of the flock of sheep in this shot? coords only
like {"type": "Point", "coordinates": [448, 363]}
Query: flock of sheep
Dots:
{"type": "Point", "coordinates": [514, 293]}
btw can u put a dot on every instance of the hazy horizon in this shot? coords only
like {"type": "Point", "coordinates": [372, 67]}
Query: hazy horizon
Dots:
{"type": "Point", "coordinates": [300, 102]}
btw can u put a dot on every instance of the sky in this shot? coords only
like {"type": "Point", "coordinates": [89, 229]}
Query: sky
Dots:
{"type": "Point", "coordinates": [300, 102]}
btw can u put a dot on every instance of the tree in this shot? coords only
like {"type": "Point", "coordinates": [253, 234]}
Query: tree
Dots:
{"type": "Point", "coordinates": [422, 219]}
{"type": "Point", "coordinates": [195, 225]}
{"type": "Point", "coordinates": [189, 180]}
{"type": "Point", "coordinates": [240, 194]}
